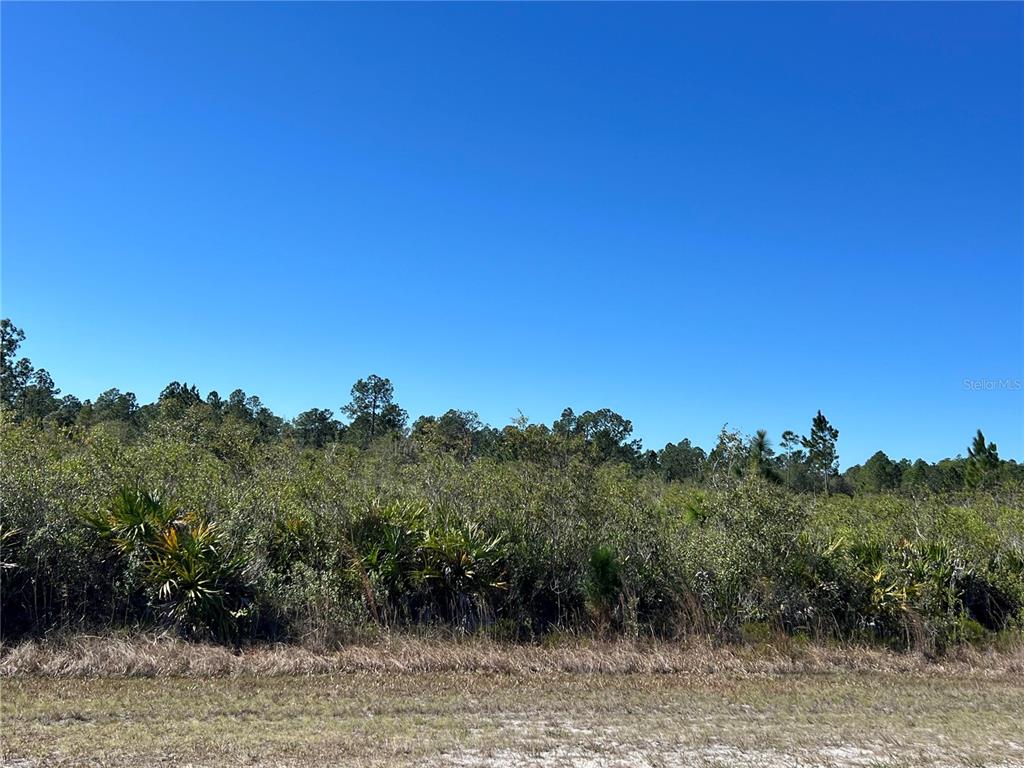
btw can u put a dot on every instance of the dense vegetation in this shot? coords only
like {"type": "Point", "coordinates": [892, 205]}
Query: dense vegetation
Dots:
{"type": "Point", "coordinates": [218, 518]}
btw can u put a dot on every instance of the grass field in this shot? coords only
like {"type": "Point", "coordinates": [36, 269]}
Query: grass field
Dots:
{"type": "Point", "coordinates": [816, 715]}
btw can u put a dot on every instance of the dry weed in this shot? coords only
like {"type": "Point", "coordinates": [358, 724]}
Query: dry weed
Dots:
{"type": "Point", "coordinates": [160, 656]}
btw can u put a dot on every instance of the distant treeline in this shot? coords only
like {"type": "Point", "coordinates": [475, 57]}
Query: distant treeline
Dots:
{"type": "Point", "coordinates": [217, 519]}
{"type": "Point", "coordinates": [372, 419]}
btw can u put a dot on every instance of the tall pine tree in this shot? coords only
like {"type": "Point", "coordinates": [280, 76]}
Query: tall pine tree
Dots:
{"type": "Point", "coordinates": [821, 449]}
{"type": "Point", "coordinates": [982, 461]}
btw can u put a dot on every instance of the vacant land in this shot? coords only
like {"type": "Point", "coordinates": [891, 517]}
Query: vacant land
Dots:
{"type": "Point", "coordinates": [454, 709]}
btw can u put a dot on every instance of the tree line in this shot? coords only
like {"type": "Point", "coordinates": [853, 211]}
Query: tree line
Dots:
{"type": "Point", "coordinates": [373, 420]}
{"type": "Point", "coordinates": [216, 518]}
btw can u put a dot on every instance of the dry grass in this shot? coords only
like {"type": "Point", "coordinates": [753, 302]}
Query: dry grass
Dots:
{"type": "Point", "coordinates": [146, 701]}
{"type": "Point", "coordinates": [500, 721]}
{"type": "Point", "coordinates": [155, 656]}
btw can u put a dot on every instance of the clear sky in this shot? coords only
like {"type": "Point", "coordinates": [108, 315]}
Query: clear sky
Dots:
{"type": "Point", "coordinates": [692, 214]}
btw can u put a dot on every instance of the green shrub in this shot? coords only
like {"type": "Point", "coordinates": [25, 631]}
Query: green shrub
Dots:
{"type": "Point", "coordinates": [323, 546]}
{"type": "Point", "coordinates": [198, 586]}
{"type": "Point", "coordinates": [603, 587]}
{"type": "Point", "coordinates": [756, 632]}
{"type": "Point", "coordinates": [179, 560]}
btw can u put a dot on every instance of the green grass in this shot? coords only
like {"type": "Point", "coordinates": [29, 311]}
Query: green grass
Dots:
{"type": "Point", "coordinates": [475, 718]}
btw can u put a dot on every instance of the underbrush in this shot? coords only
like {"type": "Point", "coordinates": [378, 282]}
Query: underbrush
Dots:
{"type": "Point", "coordinates": [324, 549]}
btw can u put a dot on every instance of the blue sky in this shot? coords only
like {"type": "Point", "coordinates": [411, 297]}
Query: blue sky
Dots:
{"type": "Point", "coordinates": [691, 214]}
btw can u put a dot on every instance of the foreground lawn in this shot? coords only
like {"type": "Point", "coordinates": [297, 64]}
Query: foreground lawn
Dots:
{"type": "Point", "coordinates": [491, 719]}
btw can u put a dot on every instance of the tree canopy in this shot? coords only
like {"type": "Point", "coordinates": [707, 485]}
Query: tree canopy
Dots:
{"type": "Point", "coordinates": [372, 417]}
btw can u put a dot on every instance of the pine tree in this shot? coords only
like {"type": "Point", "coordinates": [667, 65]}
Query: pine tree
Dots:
{"type": "Point", "coordinates": [821, 448]}
{"type": "Point", "coordinates": [982, 460]}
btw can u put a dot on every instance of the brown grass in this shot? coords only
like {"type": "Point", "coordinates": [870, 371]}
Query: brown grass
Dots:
{"type": "Point", "coordinates": [84, 656]}
{"type": "Point", "coordinates": [557, 720]}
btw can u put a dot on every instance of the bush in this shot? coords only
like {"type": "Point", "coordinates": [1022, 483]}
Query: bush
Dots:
{"type": "Point", "coordinates": [241, 540]}
{"type": "Point", "coordinates": [178, 560]}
